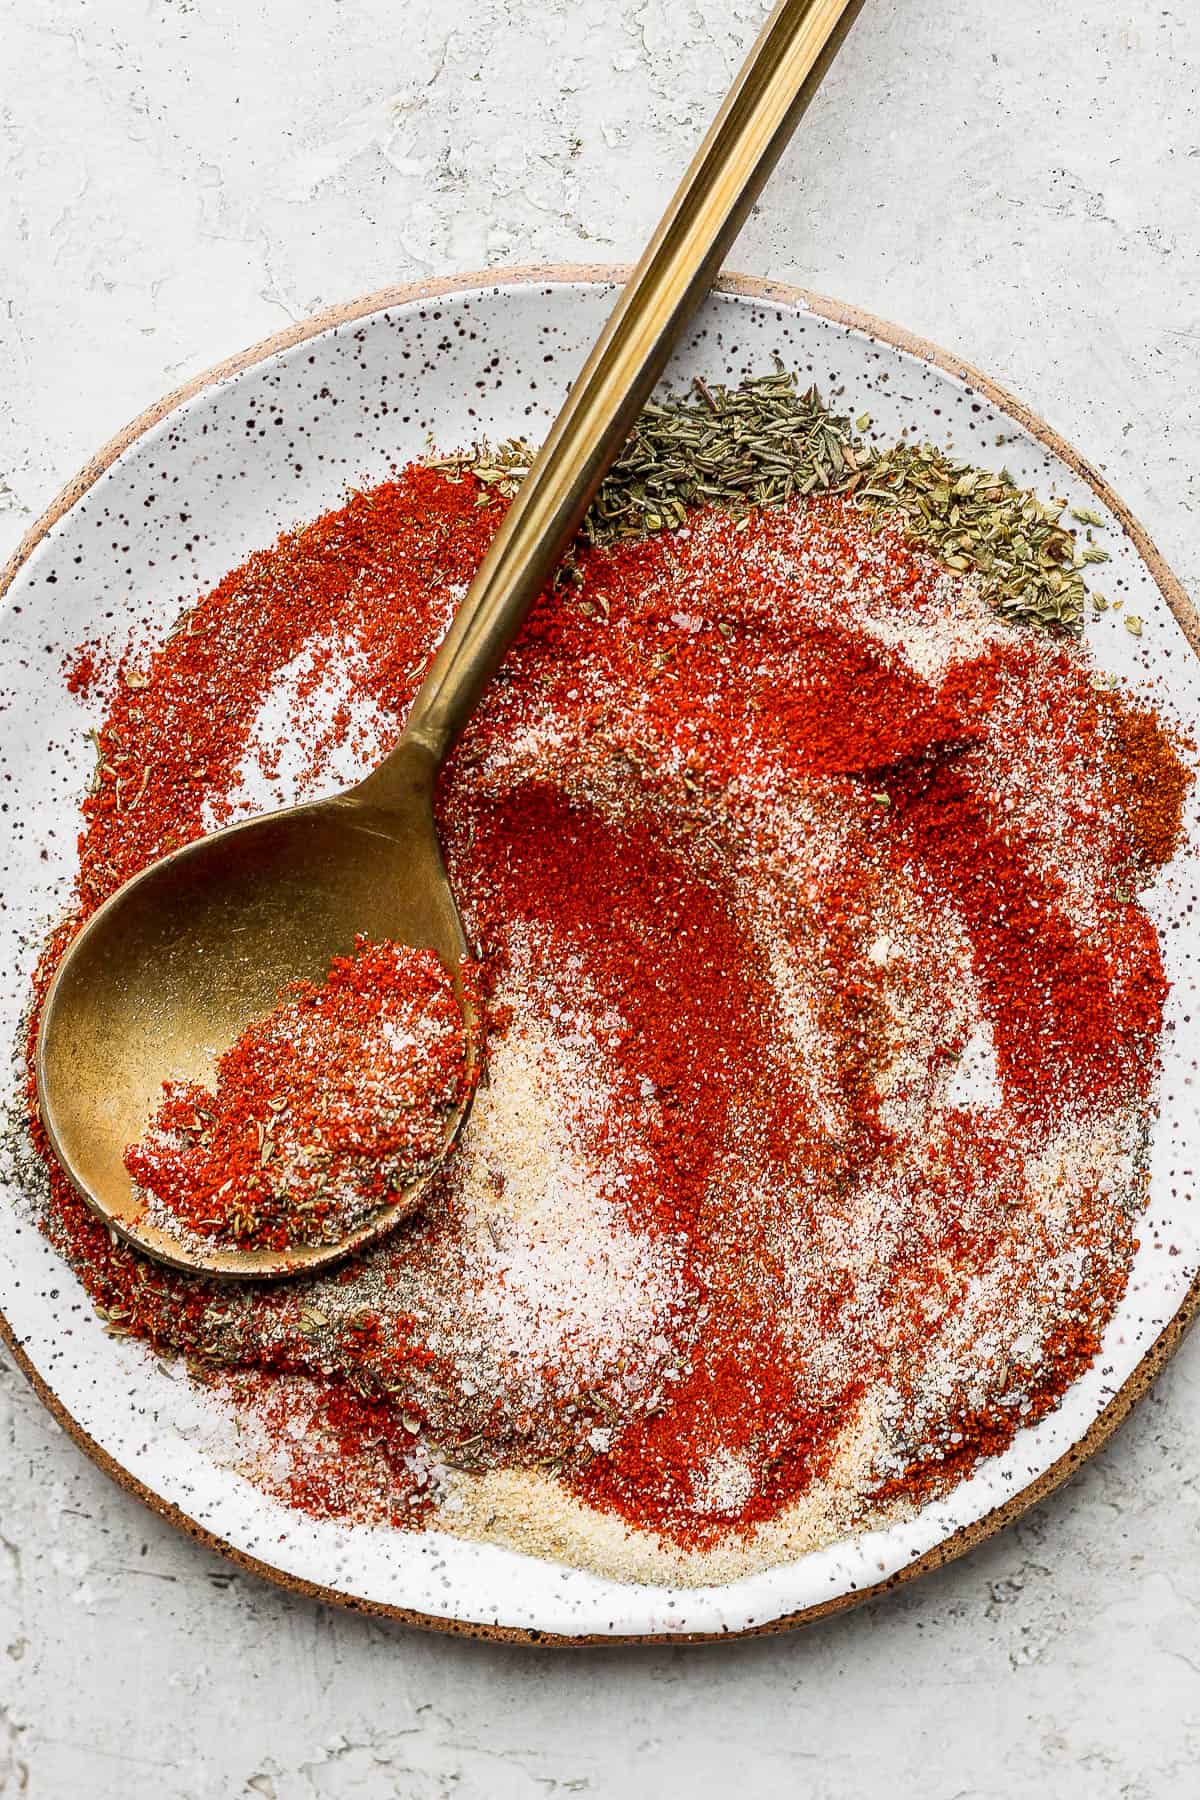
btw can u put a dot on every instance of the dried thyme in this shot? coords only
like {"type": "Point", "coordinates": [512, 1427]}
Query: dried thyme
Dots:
{"type": "Point", "coordinates": [760, 444]}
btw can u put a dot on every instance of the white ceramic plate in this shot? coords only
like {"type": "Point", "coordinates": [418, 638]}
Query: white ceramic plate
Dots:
{"type": "Point", "coordinates": [273, 438]}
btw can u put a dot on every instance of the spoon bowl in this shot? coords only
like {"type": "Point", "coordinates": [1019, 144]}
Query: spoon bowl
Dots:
{"type": "Point", "coordinates": [168, 973]}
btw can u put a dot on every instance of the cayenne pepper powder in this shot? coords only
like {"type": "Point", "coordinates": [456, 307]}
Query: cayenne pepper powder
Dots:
{"type": "Point", "coordinates": [1150, 783]}
{"type": "Point", "coordinates": [822, 1027]}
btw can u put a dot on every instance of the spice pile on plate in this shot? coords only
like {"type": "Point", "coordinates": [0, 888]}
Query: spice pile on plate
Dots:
{"type": "Point", "coordinates": [323, 1112]}
{"type": "Point", "coordinates": [822, 1011]}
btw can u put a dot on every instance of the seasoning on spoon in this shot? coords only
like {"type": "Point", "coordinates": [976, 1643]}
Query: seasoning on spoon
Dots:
{"type": "Point", "coordinates": [322, 1111]}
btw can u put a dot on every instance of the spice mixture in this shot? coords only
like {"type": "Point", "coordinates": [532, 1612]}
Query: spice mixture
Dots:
{"type": "Point", "coordinates": [323, 1112]}
{"type": "Point", "coordinates": [822, 1010]}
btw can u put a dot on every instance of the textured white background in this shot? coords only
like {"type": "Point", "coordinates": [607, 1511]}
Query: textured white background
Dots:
{"type": "Point", "coordinates": [1022, 184]}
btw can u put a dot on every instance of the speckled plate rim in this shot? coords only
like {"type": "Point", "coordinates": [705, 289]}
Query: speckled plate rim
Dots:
{"type": "Point", "coordinates": [853, 319]}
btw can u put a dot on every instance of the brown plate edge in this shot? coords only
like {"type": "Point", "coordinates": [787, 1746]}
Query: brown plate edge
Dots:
{"type": "Point", "coordinates": [854, 319]}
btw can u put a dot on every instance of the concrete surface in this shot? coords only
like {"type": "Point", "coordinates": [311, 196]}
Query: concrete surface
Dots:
{"type": "Point", "coordinates": [180, 177]}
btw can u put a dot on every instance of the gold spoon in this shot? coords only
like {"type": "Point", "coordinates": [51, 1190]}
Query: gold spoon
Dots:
{"type": "Point", "coordinates": [169, 971]}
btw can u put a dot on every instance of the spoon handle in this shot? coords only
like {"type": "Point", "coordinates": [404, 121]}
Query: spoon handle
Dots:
{"type": "Point", "coordinates": [676, 270]}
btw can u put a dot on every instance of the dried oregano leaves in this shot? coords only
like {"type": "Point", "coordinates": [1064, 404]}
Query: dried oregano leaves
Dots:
{"type": "Point", "coordinates": [984, 524]}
